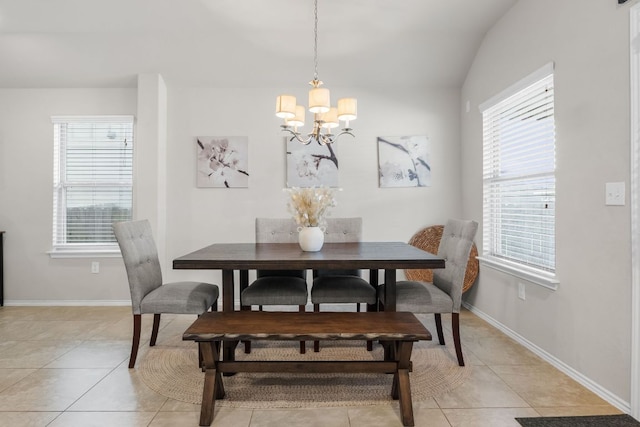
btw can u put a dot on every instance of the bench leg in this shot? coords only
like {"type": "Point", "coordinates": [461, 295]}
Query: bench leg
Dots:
{"type": "Point", "coordinates": [213, 386]}
{"type": "Point", "coordinates": [401, 382]}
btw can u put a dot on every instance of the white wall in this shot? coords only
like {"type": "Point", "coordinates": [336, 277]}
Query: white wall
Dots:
{"type": "Point", "coordinates": [586, 323]}
{"type": "Point", "coordinates": [26, 197]}
{"type": "Point", "coordinates": [194, 216]}
{"type": "Point", "coordinates": [200, 216]}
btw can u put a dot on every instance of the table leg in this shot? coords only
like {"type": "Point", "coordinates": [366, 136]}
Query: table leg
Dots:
{"type": "Point", "coordinates": [390, 289]}
{"type": "Point", "coordinates": [227, 290]}
{"type": "Point", "coordinates": [228, 303]}
{"type": "Point", "coordinates": [373, 281]}
{"type": "Point", "coordinates": [213, 386]}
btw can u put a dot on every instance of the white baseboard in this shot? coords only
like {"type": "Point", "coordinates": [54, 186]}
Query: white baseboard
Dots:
{"type": "Point", "coordinates": [591, 385]}
{"type": "Point", "coordinates": [67, 303]}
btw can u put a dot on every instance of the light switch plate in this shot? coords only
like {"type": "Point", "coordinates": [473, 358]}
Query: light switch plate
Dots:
{"type": "Point", "coordinates": [614, 194]}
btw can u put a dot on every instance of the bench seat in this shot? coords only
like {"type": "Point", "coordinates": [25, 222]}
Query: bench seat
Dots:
{"type": "Point", "coordinates": [397, 331]}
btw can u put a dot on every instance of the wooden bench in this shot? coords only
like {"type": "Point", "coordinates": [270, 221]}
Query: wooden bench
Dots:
{"type": "Point", "coordinates": [397, 331]}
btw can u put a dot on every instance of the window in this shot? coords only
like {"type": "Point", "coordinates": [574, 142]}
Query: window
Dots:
{"type": "Point", "coordinates": [519, 179]}
{"type": "Point", "coordinates": [93, 182]}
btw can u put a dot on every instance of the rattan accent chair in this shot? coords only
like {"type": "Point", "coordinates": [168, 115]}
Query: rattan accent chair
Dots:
{"type": "Point", "coordinates": [444, 295]}
{"type": "Point", "coordinates": [342, 286]}
{"type": "Point", "coordinates": [276, 287]}
{"type": "Point", "coordinates": [148, 293]}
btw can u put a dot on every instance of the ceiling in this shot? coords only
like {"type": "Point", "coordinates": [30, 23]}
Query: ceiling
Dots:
{"type": "Point", "coordinates": [241, 43]}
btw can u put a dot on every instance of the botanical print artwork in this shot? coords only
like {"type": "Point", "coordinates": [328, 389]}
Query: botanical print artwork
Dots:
{"type": "Point", "coordinates": [222, 161]}
{"type": "Point", "coordinates": [403, 161]}
{"type": "Point", "coordinates": [311, 165]}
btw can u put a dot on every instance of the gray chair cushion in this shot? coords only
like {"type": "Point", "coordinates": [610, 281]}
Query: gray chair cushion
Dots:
{"type": "Point", "coordinates": [342, 286]}
{"type": "Point", "coordinates": [444, 295]}
{"type": "Point", "coordinates": [420, 297]}
{"type": "Point", "coordinates": [276, 287]}
{"type": "Point", "coordinates": [343, 230]}
{"type": "Point", "coordinates": [455, 246]}
{"type": "Point", "coordinates": [148, 293]}
{"type": "Point", "coordinates": [342, 289]}
{"type": "Point", "coordinates": [140, 259]}
{"type": "Point", "coordinates": [276, 230]}
{"type": "Point", "coordinates": [275, 290]}
{"type": "Point", "coordinates": [180, 298]}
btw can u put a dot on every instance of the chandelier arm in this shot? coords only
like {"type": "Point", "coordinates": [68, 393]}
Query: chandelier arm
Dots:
{"type": "Point", "coordinates": [296, 136]}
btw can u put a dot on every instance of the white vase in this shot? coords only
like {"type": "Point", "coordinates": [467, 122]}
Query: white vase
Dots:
{"type": "Point", "coordinates": [311, 239]}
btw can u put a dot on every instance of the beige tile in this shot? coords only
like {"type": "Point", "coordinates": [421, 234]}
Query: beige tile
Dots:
{"type": "Point", "coordinates": [546, 386]}
{"type": "Point", "coordinates": [49, 389]}
{"type": "Point", "coordinates": [483, 417]}
{"type": "Point", "coordinates": [9, 377]}
{"type": "Point", "coordinates": [34, 354]}
{"type": "Point", "coordinates": [500, 350]}
{"type": "Point", "coordinates": [379, 415]}
{"type": "Point", "coordinates": [103, 419]}
{"type": "Point", "coordinates": [575, 411]}
{"type": "Point", "coordinates": [94, 354]}
{"type": "Point", "coordinates": [314, 417]}
{"type": "Point", "coordinates": [176, 406]}
{"type": "Point", "coordinates": [483, 389]}
{"type": "Point", "coordinates": [223, 417]}
{"type": "Point", "coordinates": [102, 313]}
{"type": "Point", "coordinates": [121, 390]}
{"type": "Point", "coordinates": [49, 329]}
{"type": "Point", "coordinates": [429, 417]}
{"type": "Point", "coordinates": [426, 404]}
{"type": "Point", "coordinates": [26, 419]}
{"type": "Point", "coordinates": [122, 330]}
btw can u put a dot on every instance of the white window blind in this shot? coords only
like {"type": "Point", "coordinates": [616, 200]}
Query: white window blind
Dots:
{"type": "Point", "coordinates": [93, 180]}
{"type": "Point", "coordinates": [519, 175]}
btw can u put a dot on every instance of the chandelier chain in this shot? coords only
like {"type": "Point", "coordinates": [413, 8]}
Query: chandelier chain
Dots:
{"type": "Point", "coordinates": [315, 39]}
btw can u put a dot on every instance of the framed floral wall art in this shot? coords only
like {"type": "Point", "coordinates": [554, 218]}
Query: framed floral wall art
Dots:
{"type": "Point", "coordinates": [311, 165]}
{"type": "Point", "coordinates": [222, 161]}
{"type": "Point", "coordinates": [403, 161]}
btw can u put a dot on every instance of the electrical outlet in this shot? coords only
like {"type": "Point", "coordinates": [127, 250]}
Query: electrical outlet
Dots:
{"type": "Point", "coordinates": [614, 194]}
{"type": "Point", "coordinates": [521, 293]}
{"type": "Point", "coordinates": [95, 267]}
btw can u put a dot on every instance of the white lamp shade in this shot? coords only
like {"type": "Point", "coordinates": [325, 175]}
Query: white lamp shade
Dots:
{"type": "Point", "coordinates": [347, 109]}
{"type": "Point", "coordinates": [286, 106]}
{"type": "Point", "coordinates": [319, 100]}
{"type": "Point", "coordinates": [330, 118]}
{"type": "Point", "coordinates": [298, 120]}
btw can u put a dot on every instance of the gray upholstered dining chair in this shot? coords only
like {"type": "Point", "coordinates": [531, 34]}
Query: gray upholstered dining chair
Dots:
{"type": "Point", "coordinates": [148, 293]}
{"type": "Point", "coordinates": [444, 295]}
{"type": "Point", "coordinates": [342, 286]}
{"type": "Point", "coordinates": [276, 287]}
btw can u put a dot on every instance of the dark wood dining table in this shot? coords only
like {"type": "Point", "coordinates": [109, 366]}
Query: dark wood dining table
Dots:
{"type": "Point", "coordinates": [372, 256]}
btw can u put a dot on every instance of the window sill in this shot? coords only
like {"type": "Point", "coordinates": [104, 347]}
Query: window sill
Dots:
{"type": "Point", "coordinates": [84, 253]}
{"type": "Point", "coordinates": [539, 277]}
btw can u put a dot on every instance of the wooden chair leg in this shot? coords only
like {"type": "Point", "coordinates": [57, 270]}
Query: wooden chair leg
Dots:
{"type": "Point", "coordinates": [303, 348]}
{"type": "Point", "coordinates": [136, 340]}
{"type": "Point", "coordinates": [439, 328]}
{"type": "Point", "coordinates": [156, 327]}
{"type": "Point", "coordinates": [455, 326]}
{"type": "Point", "coordinates": [316, 344]}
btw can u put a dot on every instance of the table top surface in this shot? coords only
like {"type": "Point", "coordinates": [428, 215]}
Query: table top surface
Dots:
{"type": "Point", "coordinates": [296, 325]}
{"type": "Point", "coordinates": [378, 255]}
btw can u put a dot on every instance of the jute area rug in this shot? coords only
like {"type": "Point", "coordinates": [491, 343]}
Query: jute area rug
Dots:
{"type": "Point", "coordinates": [171, 370]}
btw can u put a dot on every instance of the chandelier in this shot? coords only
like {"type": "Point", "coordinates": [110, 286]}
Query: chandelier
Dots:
{"type": "Point", "coordinates": [325, 117]}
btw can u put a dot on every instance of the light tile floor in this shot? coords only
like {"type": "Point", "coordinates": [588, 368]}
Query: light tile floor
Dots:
{"type": "Point", "coordinates": [67, 366]}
